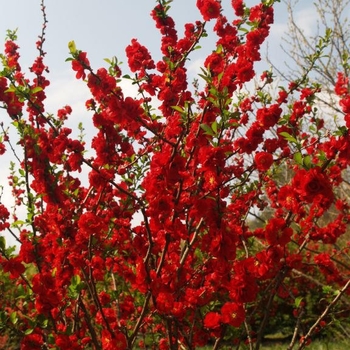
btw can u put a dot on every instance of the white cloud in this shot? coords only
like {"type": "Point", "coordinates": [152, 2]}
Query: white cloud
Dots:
{"type": "Point", "coordinates": [306, 19]}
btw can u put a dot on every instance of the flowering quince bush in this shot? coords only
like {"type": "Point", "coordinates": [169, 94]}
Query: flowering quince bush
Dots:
{"type": "Point", "coordinates": [192, 271]}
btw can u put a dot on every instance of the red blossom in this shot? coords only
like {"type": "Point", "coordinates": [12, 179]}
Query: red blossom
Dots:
{"type": "Point", "coordinates": [209, 9]}
{"type": "Point", "coordinates": [327, 266]}
{"type": "Point", "coordinates": [32, 342]}
{"type": "Point", "coordinates": [117, 341]}
{"type": "Point", "coordinates": [38, 67]}
{"type": "Point", "coordinates": [139, 57]}
{"type": "Point", "coordinates": [342, 85]}
{"type": "Point", "coordinates": [212, 320]}
{"type": "Point", "coordinates": [4, 213]}
{"type": "Point", "coordinates": [313, 186]}
{"type": "Point", "coordinates": [263, 160]}
{"type": "Point", "coordinates": [287, 199]}
{"type": "Point", "coordinates": [261, 13]}
{"type": "Point", "coordinates": [151, 233]}
{"type": "Point", "coordinates": [238, 6]}
{"type": "Point", "coordinates": [80, 64]}
{"type": "Point", "coordinates": [268, 117]}
{"type": "Point", "coordinates": [232, 314]}
{"type": "Point", "coordinates": [11, 51]}
{"type": "Point", "coordinates": [276, 232]}
{"type": "Point", "coordinates": [14, 266]}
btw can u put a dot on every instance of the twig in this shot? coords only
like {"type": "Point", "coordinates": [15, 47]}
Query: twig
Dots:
{"type": "Point", "coordinates": [323, 315]}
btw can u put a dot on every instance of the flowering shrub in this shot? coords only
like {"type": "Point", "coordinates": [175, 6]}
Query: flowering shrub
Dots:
{"type": "Point", "coordinates": [155, 248]}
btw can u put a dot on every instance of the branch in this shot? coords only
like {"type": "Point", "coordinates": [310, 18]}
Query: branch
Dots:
{"type": "Point", "coordinates": [323, 315]}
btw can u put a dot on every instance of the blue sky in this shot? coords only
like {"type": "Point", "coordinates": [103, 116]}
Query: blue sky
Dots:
{"type": "Point", "coordinates": [104, 28]}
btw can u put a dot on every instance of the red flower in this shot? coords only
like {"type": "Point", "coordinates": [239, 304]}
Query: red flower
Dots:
{"type": "Point", "coordinates": [313, 186]}
{"type": "Point", "coordinates": [92, 224]}
{"type": "Point", "coordinates": [32, 342]}
{"type": "Point", "coordinates": [13, 266]}
{"type": "Point", "coordinates": [232, 314]}
{"type": "Point", "coordinates": [238, 6]}
{"type": "Point", "coordinates": [165, 302]}
{"type": "Point", "coordinates": [2, 148]}
{"type": "Point", "coordinates": [345, 104]}
{"type": "Point", "coordinates": [263, 160]}
{"type": "Point", "coordinates": [12, 54]}
{"type": "Point", "coordinates": [276, 232]}
{"type": "Point", "coordinates": [287, 199]}
{"type": "Point", "coordinates": [261, 13]}
{"type": "Point", "coordinates": [212, 320]}
{"type": "Point", "coordinates": [117, 342]}
{"type": "Point", "coordinates": [138, 57]}
{"type": "Point", "coordinates": [80, 64]}
{"type": "Point", "coordinates": [327, 267]}
{"type": "Point", "coordinates": [4, 213]}
{"type": "Point", "coordinates": [215, 63]}
{"type": "Point", "coordinates": [342, 85]}
{"type": "Point", "coordinates": [209, 9]}
{"type": "Point", "coordinates": [268, 117]}
{"type": "Point", "coordinates": [283, 95]}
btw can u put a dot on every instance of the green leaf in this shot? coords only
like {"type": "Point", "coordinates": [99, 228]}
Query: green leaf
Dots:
{"type": "Point", "coordinates": [42, 321]}
{"type": "Point", "coordinates": [20, 292]}
{"type": "Point", "coordinates": [72, 47]}
{"type": "Point", "coordinates": [2, 243]}
{"type": "Point", "coordinates": [76, 286]}
{"type": "Point", "coordinates": [307, 162]}
{"type": "Point", "coordinates": [205, 77]}
{"type": "Point", "coordinates": [219, 49]}
{"type": "Point", "coordinates": [178, 108]}
{"type": "Point", "coordinates": [13, 318]}
{"type": "Point", "coordinates": [18, 223]}
{"type": "Point", "coordinates": [288, 137]}
{"type": "Point", "coordinates": [11, 34]}
{"type": "Point", "coordinates": [298, 301]}
{"type": "Point", "coordinates": [269, 2]}
{"type": "Point", "coordinates": [207, 129]}
{"type": "Point", "coordinates": [298, 158]}
{"type": "Point", "coordinates": [214, 126]}
{"type": "Point", "coordinates": [75, 280]}
{"type": "Point", "coordinates": [327, 289]}
{"type": "Point", "coordinates": [51, 339]}
{"type": "Point", "coordinates": [3, 317]}
{"type": "Point", "coordinates": [11, 89]}
{"type": "Point", "coordinates": [36, 89]}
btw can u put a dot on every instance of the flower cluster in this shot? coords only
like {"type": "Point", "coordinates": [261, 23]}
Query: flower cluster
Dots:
{"type": "Point", "coordinates": [157, 244]}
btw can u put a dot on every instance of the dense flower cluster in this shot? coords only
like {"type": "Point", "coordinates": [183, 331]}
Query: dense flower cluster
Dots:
{"type": "Point", "coordinates": [157, 246]}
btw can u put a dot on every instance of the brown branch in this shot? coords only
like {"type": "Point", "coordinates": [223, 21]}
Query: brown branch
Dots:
{"type": "Point", "coordinates": [305, 339]}
{"type": "Point", "coordinates": [132, 337]}
{"type": "Point", "coordinates": [92, 331]}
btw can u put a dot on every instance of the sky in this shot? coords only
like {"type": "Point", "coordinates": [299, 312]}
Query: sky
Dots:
{"type": "Point", "coordinates": [103, 29]}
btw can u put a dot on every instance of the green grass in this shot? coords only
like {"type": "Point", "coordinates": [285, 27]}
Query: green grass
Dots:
{"type": "Point", "coordinates": [316, 345]}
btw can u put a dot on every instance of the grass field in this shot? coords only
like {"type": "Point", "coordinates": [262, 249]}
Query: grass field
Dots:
{"type": "Point", "coordinates": [316, 345]}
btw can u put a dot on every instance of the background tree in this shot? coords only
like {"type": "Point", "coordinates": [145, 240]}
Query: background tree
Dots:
{"type": "Point", "coordinates": [299, 47]}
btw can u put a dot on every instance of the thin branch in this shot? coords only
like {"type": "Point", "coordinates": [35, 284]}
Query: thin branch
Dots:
{"type": "Point", "coordinates": [305, 339]}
